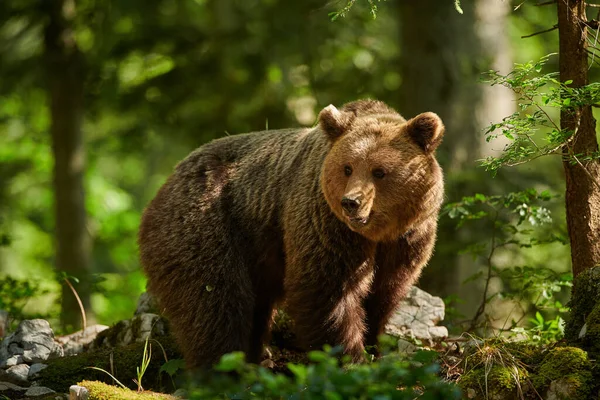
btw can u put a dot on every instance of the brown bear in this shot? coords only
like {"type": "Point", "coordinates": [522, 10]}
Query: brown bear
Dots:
{"type": "Point", "coordinates": [336, 220]}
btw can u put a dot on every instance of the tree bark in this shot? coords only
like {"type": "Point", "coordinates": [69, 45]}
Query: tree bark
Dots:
{"type": "Point", "coordinates": [582, 195]}
{"type": "Point", "coordinates": [64, 68]}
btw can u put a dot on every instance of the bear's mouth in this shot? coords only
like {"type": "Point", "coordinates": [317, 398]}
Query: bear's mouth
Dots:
{"type": "Point", "coordinates": [358, 222]}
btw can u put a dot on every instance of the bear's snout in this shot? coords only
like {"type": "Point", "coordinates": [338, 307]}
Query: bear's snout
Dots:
{"type": "Point", "coordinates": [350, 205]}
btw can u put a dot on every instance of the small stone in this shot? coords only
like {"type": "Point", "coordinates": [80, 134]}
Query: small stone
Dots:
{"type": "Point", "coordinates": [35, 369]}
{"type": "Point", "coordinates": [406, 347]}
{"type": "Point", "coordinates": [182, 393]}
{"type": "Point", "coordinates": [14, 360]}
{"type": "Point", "coordinates": [78, 393]}
{"type": "Point", "coordinates": [37, 391]}
{"type": "Point", "coordinates": [18, 373]}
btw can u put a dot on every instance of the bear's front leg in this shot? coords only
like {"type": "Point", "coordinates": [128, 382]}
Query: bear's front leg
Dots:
{"type": "Point", "coordinates": [398, 265]}
{"type": "Point", "coordinates": [324, 296]}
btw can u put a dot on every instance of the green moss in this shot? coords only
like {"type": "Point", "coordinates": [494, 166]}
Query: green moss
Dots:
{"type": "Point", "coordinates": [501, 381]}
{"type": "Point", "coordinates": [569, 365]}
{"type": "Point", "coordinates": [584, 298]}
{"type": "Point", "coordinates": [62, 372]}
{"type": "Point", "coordinates": [102, 391]}
{"type": "Point", "coordinates": [591, 339]}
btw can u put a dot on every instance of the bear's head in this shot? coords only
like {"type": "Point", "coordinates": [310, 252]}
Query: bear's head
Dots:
{"type": "Point", "coordinates": [380, 176]}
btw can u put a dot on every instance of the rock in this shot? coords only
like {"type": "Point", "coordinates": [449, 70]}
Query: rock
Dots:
{"type": "Point", "coordinates": [16, 374]}
{"type": "Point", "coordinates": [78, 342]}
{"type": "Point", "coordinates": [35, 369]}
{"type": "Point", "coordinates": [406, 347]}
{"type": "Point", "coordinates": [181, 393]}
{"type": "Point", "coordinates": [78, 393]}
{"type": "Point", "coordinates": [37, 391]}
{"type": "Point", "coordinates": [10, 386]}
{"type": "Point", "coordinates": [146, 304]}
{"type": "Point", "coordinates": [14, 360]}
{"type": "Point", "coordinates": [125, 332]}
{"type": "Point", "coordinates": [34, 340]}
{"type": "Point", "coordinates": [584, 297]}
{"type": "Point", "coordinates": [417, 316]}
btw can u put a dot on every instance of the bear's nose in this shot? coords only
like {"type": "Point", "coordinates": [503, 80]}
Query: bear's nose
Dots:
{"type": "Point", "coordinates": [350, 205]}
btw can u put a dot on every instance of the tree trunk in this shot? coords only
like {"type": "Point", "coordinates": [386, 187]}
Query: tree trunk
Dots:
{"type": "Point", "coordinates": [444, 54]}
{"type": "Point", "coordinates": [64, 68]}
{"type": "Point", "coordinates": [582, 195]}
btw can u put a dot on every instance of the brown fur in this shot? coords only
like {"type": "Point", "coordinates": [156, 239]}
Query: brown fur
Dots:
{"type": "Point", "coordinates": [251, 220]}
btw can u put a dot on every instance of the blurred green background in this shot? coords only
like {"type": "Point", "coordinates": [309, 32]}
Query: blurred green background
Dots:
{"type": "Point", "coordinates": [162, 77]}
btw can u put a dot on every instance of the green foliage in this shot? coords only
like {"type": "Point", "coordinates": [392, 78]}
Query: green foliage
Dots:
{"type": "Point", "coordinates": [14, 295]}
{"type": "Point", "coordinates": [391, 377]}
{"type": "Point", "coordinates": [344, 11]}
{"type": "Point", "coordinates": [516, 220]}
{"type": "Point", "coordinates": [533, 131]}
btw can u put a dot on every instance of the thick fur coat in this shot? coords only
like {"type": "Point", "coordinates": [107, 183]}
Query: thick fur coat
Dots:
{"type": "Point", "coordinates": [336, 220]}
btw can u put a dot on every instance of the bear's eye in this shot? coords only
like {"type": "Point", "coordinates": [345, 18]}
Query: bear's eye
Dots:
{"type": "Point", "coordinates": [378, 173]}
{"type": "Point", "coordinates": [348, 170]}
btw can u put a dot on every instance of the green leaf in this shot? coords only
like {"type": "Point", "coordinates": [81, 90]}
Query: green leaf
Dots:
{"type": "Point", "coordinates": [172, 366]}
{"type": "Point", "coordinates": [231, 362]}
{"type": "Point", "coordinates": [457, 7]}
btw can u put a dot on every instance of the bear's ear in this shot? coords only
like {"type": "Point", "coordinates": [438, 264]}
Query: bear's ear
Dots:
{"type": "Point", "coordinates": [335, 122]}
{"type": "Point", "coordinates": [426, 130]}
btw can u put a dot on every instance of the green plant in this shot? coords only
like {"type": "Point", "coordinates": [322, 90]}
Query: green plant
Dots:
{"type": "Point", "coordinates": [533, 131]}
{"type": "Point", "coordinates": [328, 377]}
{"type": "Point", "coordinates": [14, 295]}
{"type": "Point", "coordinates": [514, 221]}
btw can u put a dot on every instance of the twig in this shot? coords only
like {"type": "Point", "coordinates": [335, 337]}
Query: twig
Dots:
{"type": "Point", "coordinates": [481, 308]}
{"type": "Point", "coordinates": [546, 3]}
{"type": "Point", "coordinates": [540, 32]}
{"type": "Point", "coordinates": [592, 5]}
{"type": "Point", "coordinates": [78, 302]}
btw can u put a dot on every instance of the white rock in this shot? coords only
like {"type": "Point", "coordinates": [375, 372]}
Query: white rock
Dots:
{"type": "Point", "coordinates": [34, 340]}
{"type": "Point", "coordinates": [14, 360]}
{"type": "Point", "coordinates": [78, 393]}
{"type": "Point", "coordinates": [417, 316]}
{"type": "Point", "coordinates": [18, 372]}
{"type": "Point", "coordinates": [75, 343]}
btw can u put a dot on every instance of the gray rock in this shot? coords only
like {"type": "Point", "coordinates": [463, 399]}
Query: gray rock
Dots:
{"type": "Point", "coordinates": [78, 342]}
{"type": "Point", "coordinates": [561, 389]}
{"type": "Point", "coordinates": [406, 347]}
{"type": "Point", "coordinates": [10, 386]}
{"type": "Point", "coordinates": [146, 304]}
{"type": "Point", "coordinates": [125, 332]}
{"type": "Point", "coordinates": [34, 340]}
{"type": "Point", "coordinates": [17, 373]}
{"type": "Point", "coordinates": [78, 393]}
{"type": "Point", "coordinates": [417, 316]}
{"type": "Point", "coordinates": [37, 391]}
{"type": "Point", "coordinates": [35, 369]}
